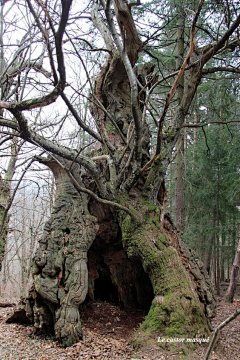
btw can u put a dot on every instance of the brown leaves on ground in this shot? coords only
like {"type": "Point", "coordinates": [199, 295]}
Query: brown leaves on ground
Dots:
{"type": "Point", "coordinates": [107, 330]}
{"type": "Point", "coordinates": [228, 343]}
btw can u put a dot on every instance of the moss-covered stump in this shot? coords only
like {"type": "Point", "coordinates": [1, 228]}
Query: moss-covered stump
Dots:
{"type": "Point", "coordinates": [183, 299]}
{"type": "Point", "coordinates": [61, 274]}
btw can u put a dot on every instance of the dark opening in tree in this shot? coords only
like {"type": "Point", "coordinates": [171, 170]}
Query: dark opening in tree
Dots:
{"type": "Point", "coordinates": [104, 289]}
{"type": "Point", "coordinates": [113, 276]}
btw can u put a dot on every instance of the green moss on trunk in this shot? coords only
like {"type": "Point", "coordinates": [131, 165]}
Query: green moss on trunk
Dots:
{"type": "Point", "coordinates": [176, 310]}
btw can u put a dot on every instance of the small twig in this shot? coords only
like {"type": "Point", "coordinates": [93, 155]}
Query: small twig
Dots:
{"type": "Point", "coordinates": [216, 331]}
{"type": "Point", "coordinates": [78, 153]}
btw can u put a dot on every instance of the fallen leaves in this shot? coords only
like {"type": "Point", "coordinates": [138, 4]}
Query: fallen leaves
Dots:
{"type": "Point", "coordinates": [107, 330]}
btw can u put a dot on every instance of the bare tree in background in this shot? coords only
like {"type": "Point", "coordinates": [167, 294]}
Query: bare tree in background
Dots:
{"type": "Point", "coordinates": [29, 212]}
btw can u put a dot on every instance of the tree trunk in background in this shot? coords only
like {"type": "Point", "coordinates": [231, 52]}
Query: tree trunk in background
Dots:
{"type": "Point", "coordinates": [206, 253]}
{"type": "Point", "coordinates": [217, 236]}
{"type": "Point", "coordinates": [3, 233]}
{"type": "Point", "coordinates": [5, 184]}
{"type": "Point", "coordinates": [180, 186]}
{"type": "Point", "coordinates": [5, 195]}
{"type": "Point", "coordinates": [234, 276]}
{"type": "Point", "coordinates": [180, 165]}
{"type": "Point", "coordinates": [223, 250]}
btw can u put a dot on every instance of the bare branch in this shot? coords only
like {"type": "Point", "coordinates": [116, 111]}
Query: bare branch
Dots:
{"type": "Point", "coordinates": [4, 105]}
{"type": "Point", "coordinates": [201, 125]}
{"type": "Point", "coordinates": [220, 68]}
{"type": "Point", "coordinates": [92, 194]}
{"type": "Point", "coordinates": [180, 73]}
{"type": "Point", "coordinates": [219, 45]}
{"type": "Point", "coordinates": [55, 148]}
{"type": "Point", "coordinates": [46, 38]}
{"type": "Point", "coordinates": [102, 201]}
{"type": "Point", "coordinates": [136, 3]}
{"type": "Point", "coordinates": [102, 28]}
{"type": "Point", "coordinates": [81, 123]}
{"type": "Point", "coordinates": [60, 84]}
{"type": "Point", "coordinates": [217, 330]}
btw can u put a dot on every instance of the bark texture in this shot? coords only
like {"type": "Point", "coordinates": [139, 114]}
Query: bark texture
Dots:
{"type": "Point", "coordinates": [179, 163]}
{"type": "Point", "coordinates": [60, 273]}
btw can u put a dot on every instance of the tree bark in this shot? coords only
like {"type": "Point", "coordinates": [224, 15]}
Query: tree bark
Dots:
{"type": "Point", "coordinates": [60, 271]}
{"type": "Point", "coordinates": [180, 186]}
{"type": "Point", "coordinates": [180, 164]}
{"type": "Point", "coordinates": [234, 276]}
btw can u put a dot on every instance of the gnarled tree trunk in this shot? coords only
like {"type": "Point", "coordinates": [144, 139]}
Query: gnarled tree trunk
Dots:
{"type": "Point", "coordinates": [138, 265]}
{"type": "Point", "coordinates": [60, 272]}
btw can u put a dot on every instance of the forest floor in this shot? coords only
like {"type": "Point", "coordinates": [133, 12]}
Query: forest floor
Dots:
{"type": "Point", "coordinates": [107, 330]}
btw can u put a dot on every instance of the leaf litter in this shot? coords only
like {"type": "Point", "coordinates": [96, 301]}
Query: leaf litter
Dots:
{"type": "Point", "coordinates": [107, 331]}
